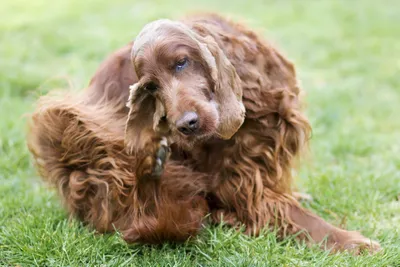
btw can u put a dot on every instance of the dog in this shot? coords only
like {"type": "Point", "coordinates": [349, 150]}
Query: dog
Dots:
{"type": "Point", "coordinates": [195, 117]}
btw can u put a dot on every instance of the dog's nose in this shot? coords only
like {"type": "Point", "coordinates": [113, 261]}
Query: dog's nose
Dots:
{"type": "Point", "coordinates": [188, 124]}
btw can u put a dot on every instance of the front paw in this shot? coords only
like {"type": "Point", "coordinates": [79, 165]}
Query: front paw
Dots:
{"type": "Point", "coordinates": [152, 165]}
{"type": "Point", "coordinates": [355, 243]}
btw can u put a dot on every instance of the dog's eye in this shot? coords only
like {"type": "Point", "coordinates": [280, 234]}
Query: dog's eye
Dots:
{"type": "Point", "coordinates": [181, 64]}
{"type": "Point", "coordinates": [151, 87]}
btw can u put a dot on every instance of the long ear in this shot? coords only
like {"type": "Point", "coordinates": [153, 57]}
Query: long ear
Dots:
{"type": "Point", "coordinates": [143, 120]}
{"type": "Point", "coordinates": [228, 90]}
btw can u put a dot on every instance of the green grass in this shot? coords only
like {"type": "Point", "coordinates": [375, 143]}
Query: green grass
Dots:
{"type": "Point", "coordinates": [347, 54]}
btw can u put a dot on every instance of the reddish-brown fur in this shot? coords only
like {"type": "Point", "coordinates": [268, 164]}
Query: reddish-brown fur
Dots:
{"type": "Point", "coordinates": [79, 143]}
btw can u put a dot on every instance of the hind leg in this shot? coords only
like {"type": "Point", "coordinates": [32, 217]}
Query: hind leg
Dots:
{"type": "Point", "coordinates": [154, 156]}
{"type": "Point", "coordinates": [149, 200]}
{"type": "Point", "coordinates": [171, 207]}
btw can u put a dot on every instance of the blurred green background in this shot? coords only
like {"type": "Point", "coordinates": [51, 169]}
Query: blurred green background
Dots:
{"type": "Point", "coordinates": [348, 58]}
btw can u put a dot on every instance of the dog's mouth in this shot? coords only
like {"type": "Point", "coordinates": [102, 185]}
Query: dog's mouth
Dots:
{"type": "Point", "coordinates": [189, 140]}
{"type": "Point", "coordinates": [166, 128]}
{"type": "Point", "coordinates": [193, 137]}
{"type": "Point", "coordinates": [192, 127]}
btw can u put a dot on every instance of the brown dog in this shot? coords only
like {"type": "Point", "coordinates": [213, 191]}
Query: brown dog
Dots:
{"type": "Point", "coordinates": [212, 125]}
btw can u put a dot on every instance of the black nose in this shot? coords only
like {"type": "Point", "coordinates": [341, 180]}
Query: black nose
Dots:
{"type": "Point", "coordinates": [188, 124]}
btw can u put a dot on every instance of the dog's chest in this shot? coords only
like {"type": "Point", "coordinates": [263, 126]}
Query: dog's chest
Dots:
{"type": "Point", "coordinates": [207, 158]}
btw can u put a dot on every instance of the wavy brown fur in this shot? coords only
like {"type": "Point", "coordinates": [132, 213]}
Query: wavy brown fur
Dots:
{"type": "Point", "coordinates": [78, 145]}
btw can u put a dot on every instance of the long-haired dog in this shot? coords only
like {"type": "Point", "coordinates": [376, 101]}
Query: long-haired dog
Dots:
{"type": "Point", "coordinates": [195, 117]}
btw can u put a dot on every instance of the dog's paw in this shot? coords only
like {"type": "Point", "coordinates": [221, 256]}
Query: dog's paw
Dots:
{"type": "Point", "coordinates": [356, 244]}
{"type": "Point", "coordinates": [161, 156]}
{"type": "Point", "coordinates": [152, 165]}
{"type": "Point", "coordinates": [360, 245]}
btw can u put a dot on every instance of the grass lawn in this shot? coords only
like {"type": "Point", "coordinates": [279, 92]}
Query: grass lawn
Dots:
{"type": "Point", "coordinates": [348, 58]}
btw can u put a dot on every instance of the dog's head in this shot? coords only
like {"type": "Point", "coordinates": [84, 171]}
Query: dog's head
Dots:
{"type": "Point", "coordinates": [187, 87]}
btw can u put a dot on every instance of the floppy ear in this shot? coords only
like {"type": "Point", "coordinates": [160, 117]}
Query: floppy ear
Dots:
{"type": "Point", "coordinates": [228, 89]}
{"type": "Point", "coordinates": [144, 116]}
